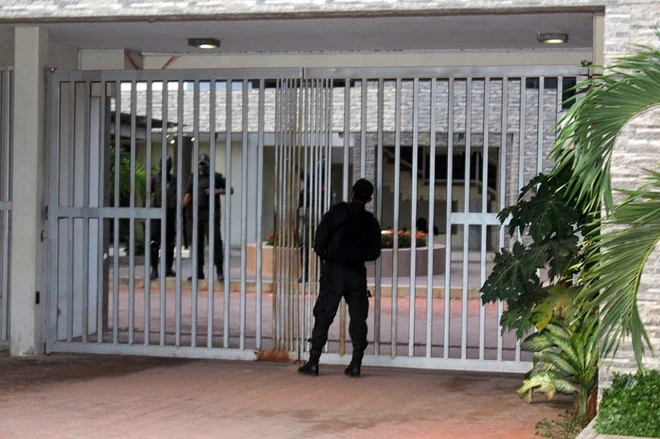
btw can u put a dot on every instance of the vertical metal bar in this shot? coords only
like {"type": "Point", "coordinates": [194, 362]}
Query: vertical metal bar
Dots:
{"type": "Point", "coordinates": [484, 210]}
{"type": "Point", "coordinates": [560, 99]}
{"type": "Point", "coordinates": [397, 194]}
{"type": "Point", "coordinates": [115, 281]}
{"type": "Point", "coordinates": [448, 229]}
{"type": "Point", "coordinates": [347, 140]}
{"type": "Point", "coordinates": [178, 301]}
{"type": "Point", "coordinates": [101, 194]}
{"type": "Point", "coordinates": [539, 158]}
{"type": "Point", "coordinates": [212, 230]}
{"type": "Point", "coordinates": [521, 161]}
{"type": "Point", "coordinates": [363, 125]}
{"type": "Point", "coordinates": [211, 219]}
{"type": "Point", "coordinates": [227, 228]}
{"type": "Point", "coordinates": [196, 219]}
{"type": "Point", "coordinates": [260, 187]}
{"type": "Point", "coordinates": [5, 113]}
{"type": "Point", "coordinates": [277, 221]}
{"type": "Point", "coordinates": [54, 149]}
{"type": "Point", "coordinates": [163, 153]}
{"type": "Point", "coordinates": [131, 239]}
{"type": "Point", "coordinates": [244, 211]}
{"type": "Point", "coordinates": [147, 228]}
{"type": "Point", "coordinates": [86, 190]}
{"type": "Point", "coordinates": [379, 213]}
{"type": "Point", "coordinates": [72, 202]}
{"type": "Point", "coordinates": [466, 224]}
{"type": "Point", "coordinates": [503, 202]}
{"type": "Point", "coordinates": [431, 243]}
{"type": "Point", "coordinates": [413, 220]}
{"type": "Point", "coordinates": [304, 217]}
{"type": "Point", "coordinates": [179, 213]}
{"type": "Point", "coordinates": [285, 215]}
{"type": "Point", "coordinates": [300, 293]}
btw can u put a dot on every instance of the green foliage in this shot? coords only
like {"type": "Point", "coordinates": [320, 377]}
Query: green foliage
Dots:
{"type": "Point", "coordinates": [566, 357]}
{"type": "Point", "coordinates": [125, 175]}
{"type": "Point", "coordinates": [617, 260]}
{"type": "Point", "coordinates": [611, 276]}
{"type": "Point", "coordinates": [602, 108]}
{"type": "Point", "coordinates": [631, 407]}
{"type": "Point", "coordinates": [568, 426]}
{"type": "Point", "coordinates": [554, 222]}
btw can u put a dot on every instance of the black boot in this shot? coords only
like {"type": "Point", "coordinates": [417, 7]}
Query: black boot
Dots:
{"type": "Point", "coordinates": [154, 274]}
{"type": "Point", "coordinates": [311, 368]}
{"type": "Point", "coordinates": [353, 370]}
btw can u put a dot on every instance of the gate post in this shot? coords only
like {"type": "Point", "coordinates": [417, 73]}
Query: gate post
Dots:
{"type": "Point", "coordinates": [28, 250]}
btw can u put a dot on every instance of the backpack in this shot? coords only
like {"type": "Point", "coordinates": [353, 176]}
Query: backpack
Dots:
{"type": "Point", "coordinates": [359, 240]}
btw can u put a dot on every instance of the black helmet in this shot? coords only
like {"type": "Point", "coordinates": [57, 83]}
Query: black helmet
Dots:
{"type": "Point", "coordinates": [204, 164]}
{"type": "Point", "coordinates": [168, 163]}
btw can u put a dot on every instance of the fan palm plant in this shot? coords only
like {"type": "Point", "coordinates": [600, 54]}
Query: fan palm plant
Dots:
{"type": "Point", "coordinates": [585, 143]}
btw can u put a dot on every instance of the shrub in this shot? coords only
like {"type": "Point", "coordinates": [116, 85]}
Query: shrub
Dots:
{"type": "Point", "coordinates": [631, 407]}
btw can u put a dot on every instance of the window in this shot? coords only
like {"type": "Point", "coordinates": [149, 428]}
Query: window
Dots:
{"type": "Point", "coordinates": [550, 83]}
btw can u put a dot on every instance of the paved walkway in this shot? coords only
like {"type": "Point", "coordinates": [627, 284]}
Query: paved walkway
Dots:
{"type": "Point", "coordinates": [111, 397]}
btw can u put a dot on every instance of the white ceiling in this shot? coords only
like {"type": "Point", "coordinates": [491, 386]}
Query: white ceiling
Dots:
{"type": "Point", "coordinates": [332, 34]}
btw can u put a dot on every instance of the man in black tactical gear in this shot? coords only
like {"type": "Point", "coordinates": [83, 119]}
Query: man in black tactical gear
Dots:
{"type": "Point", "coordinates": [204, 186]}
{"type": "Point", "coordinates": [347, 237]}
{"type": "Point", "coordinates": [157, 199]}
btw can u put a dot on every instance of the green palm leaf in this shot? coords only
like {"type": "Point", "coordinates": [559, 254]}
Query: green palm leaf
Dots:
{"type": "Point", "coordinates": [546, 381]}
{"type": "Point", "coordinates": [618, 260]}
{"type": "Point", "coordinates": [590, 128]}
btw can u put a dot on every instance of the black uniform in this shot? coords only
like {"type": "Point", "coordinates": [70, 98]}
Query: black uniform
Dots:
{"type": "Point", "coordinates": [170, 222]}
{"type": "Point", "coordinates": [340, 279]}
{"type": "Point", "coordinates": [204, 184]}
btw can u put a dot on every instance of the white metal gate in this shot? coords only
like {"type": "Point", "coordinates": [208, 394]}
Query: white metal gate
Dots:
{"type": "Point", "coordinates": [450, 145]}
{"type": "Point", "coordinates": [6, 77]}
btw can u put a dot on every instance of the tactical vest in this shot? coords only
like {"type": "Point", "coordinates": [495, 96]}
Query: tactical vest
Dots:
{"type": "Point", "coordinates": [170, 192]}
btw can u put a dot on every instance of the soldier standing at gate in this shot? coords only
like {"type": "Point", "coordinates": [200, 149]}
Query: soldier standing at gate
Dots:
{"type": "Point", "coordinates": [157, 199]}
{"type": "Point", "coordinates": [204, 204]}
{"type": "Point", "coordinates": [347, 237]}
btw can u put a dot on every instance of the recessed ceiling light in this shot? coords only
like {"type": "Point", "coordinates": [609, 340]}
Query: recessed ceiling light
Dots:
{"type": "Point", "coordinates": [552, 37]}
{"type": "Point", "coordinates": [204, 43]}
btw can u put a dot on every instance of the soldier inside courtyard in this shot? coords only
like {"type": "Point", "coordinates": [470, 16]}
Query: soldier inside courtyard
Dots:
{"type": "Point", "coordinates": [204, 203]}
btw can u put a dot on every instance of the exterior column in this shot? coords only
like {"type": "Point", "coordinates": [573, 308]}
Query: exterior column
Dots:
{"type": "Point", "coordinates": [29, 169]}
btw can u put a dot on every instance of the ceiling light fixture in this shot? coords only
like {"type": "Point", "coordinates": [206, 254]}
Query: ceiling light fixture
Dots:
{"type": "Point", "coordinates": [204, 43]}
{"type": "Point", "coordinates": [552, 37]}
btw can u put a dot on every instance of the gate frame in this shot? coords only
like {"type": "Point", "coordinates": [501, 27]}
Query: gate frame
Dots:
{"type": "Point", "coordinates": [194, 75]}
{"type": "Point", "coordinates": [6, 149]}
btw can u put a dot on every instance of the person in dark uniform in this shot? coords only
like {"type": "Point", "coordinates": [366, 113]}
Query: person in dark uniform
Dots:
{"type": "Point", "coordinates": [157, 199]}
{"type": "Point", "coordinates": [203, 230]}
{"type": "Point", "coordinates": [347, 237]}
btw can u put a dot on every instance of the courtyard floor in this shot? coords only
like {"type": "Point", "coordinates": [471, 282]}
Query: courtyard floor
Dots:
{"type": "Point", "coordinates": [67, 396]}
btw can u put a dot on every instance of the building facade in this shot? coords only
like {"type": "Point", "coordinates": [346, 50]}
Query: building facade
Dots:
{"type": "Point", "coordinates": [62, 34]}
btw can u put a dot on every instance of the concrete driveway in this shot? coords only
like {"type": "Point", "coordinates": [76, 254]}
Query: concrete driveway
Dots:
{"type": "Point", "coordinates": [66, 396]}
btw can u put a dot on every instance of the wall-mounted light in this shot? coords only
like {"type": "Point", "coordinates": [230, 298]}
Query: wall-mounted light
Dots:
{"type": "Point", "coordinates": [204, 43]}
{"type": "Point", "coordinates": [552, 37]}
